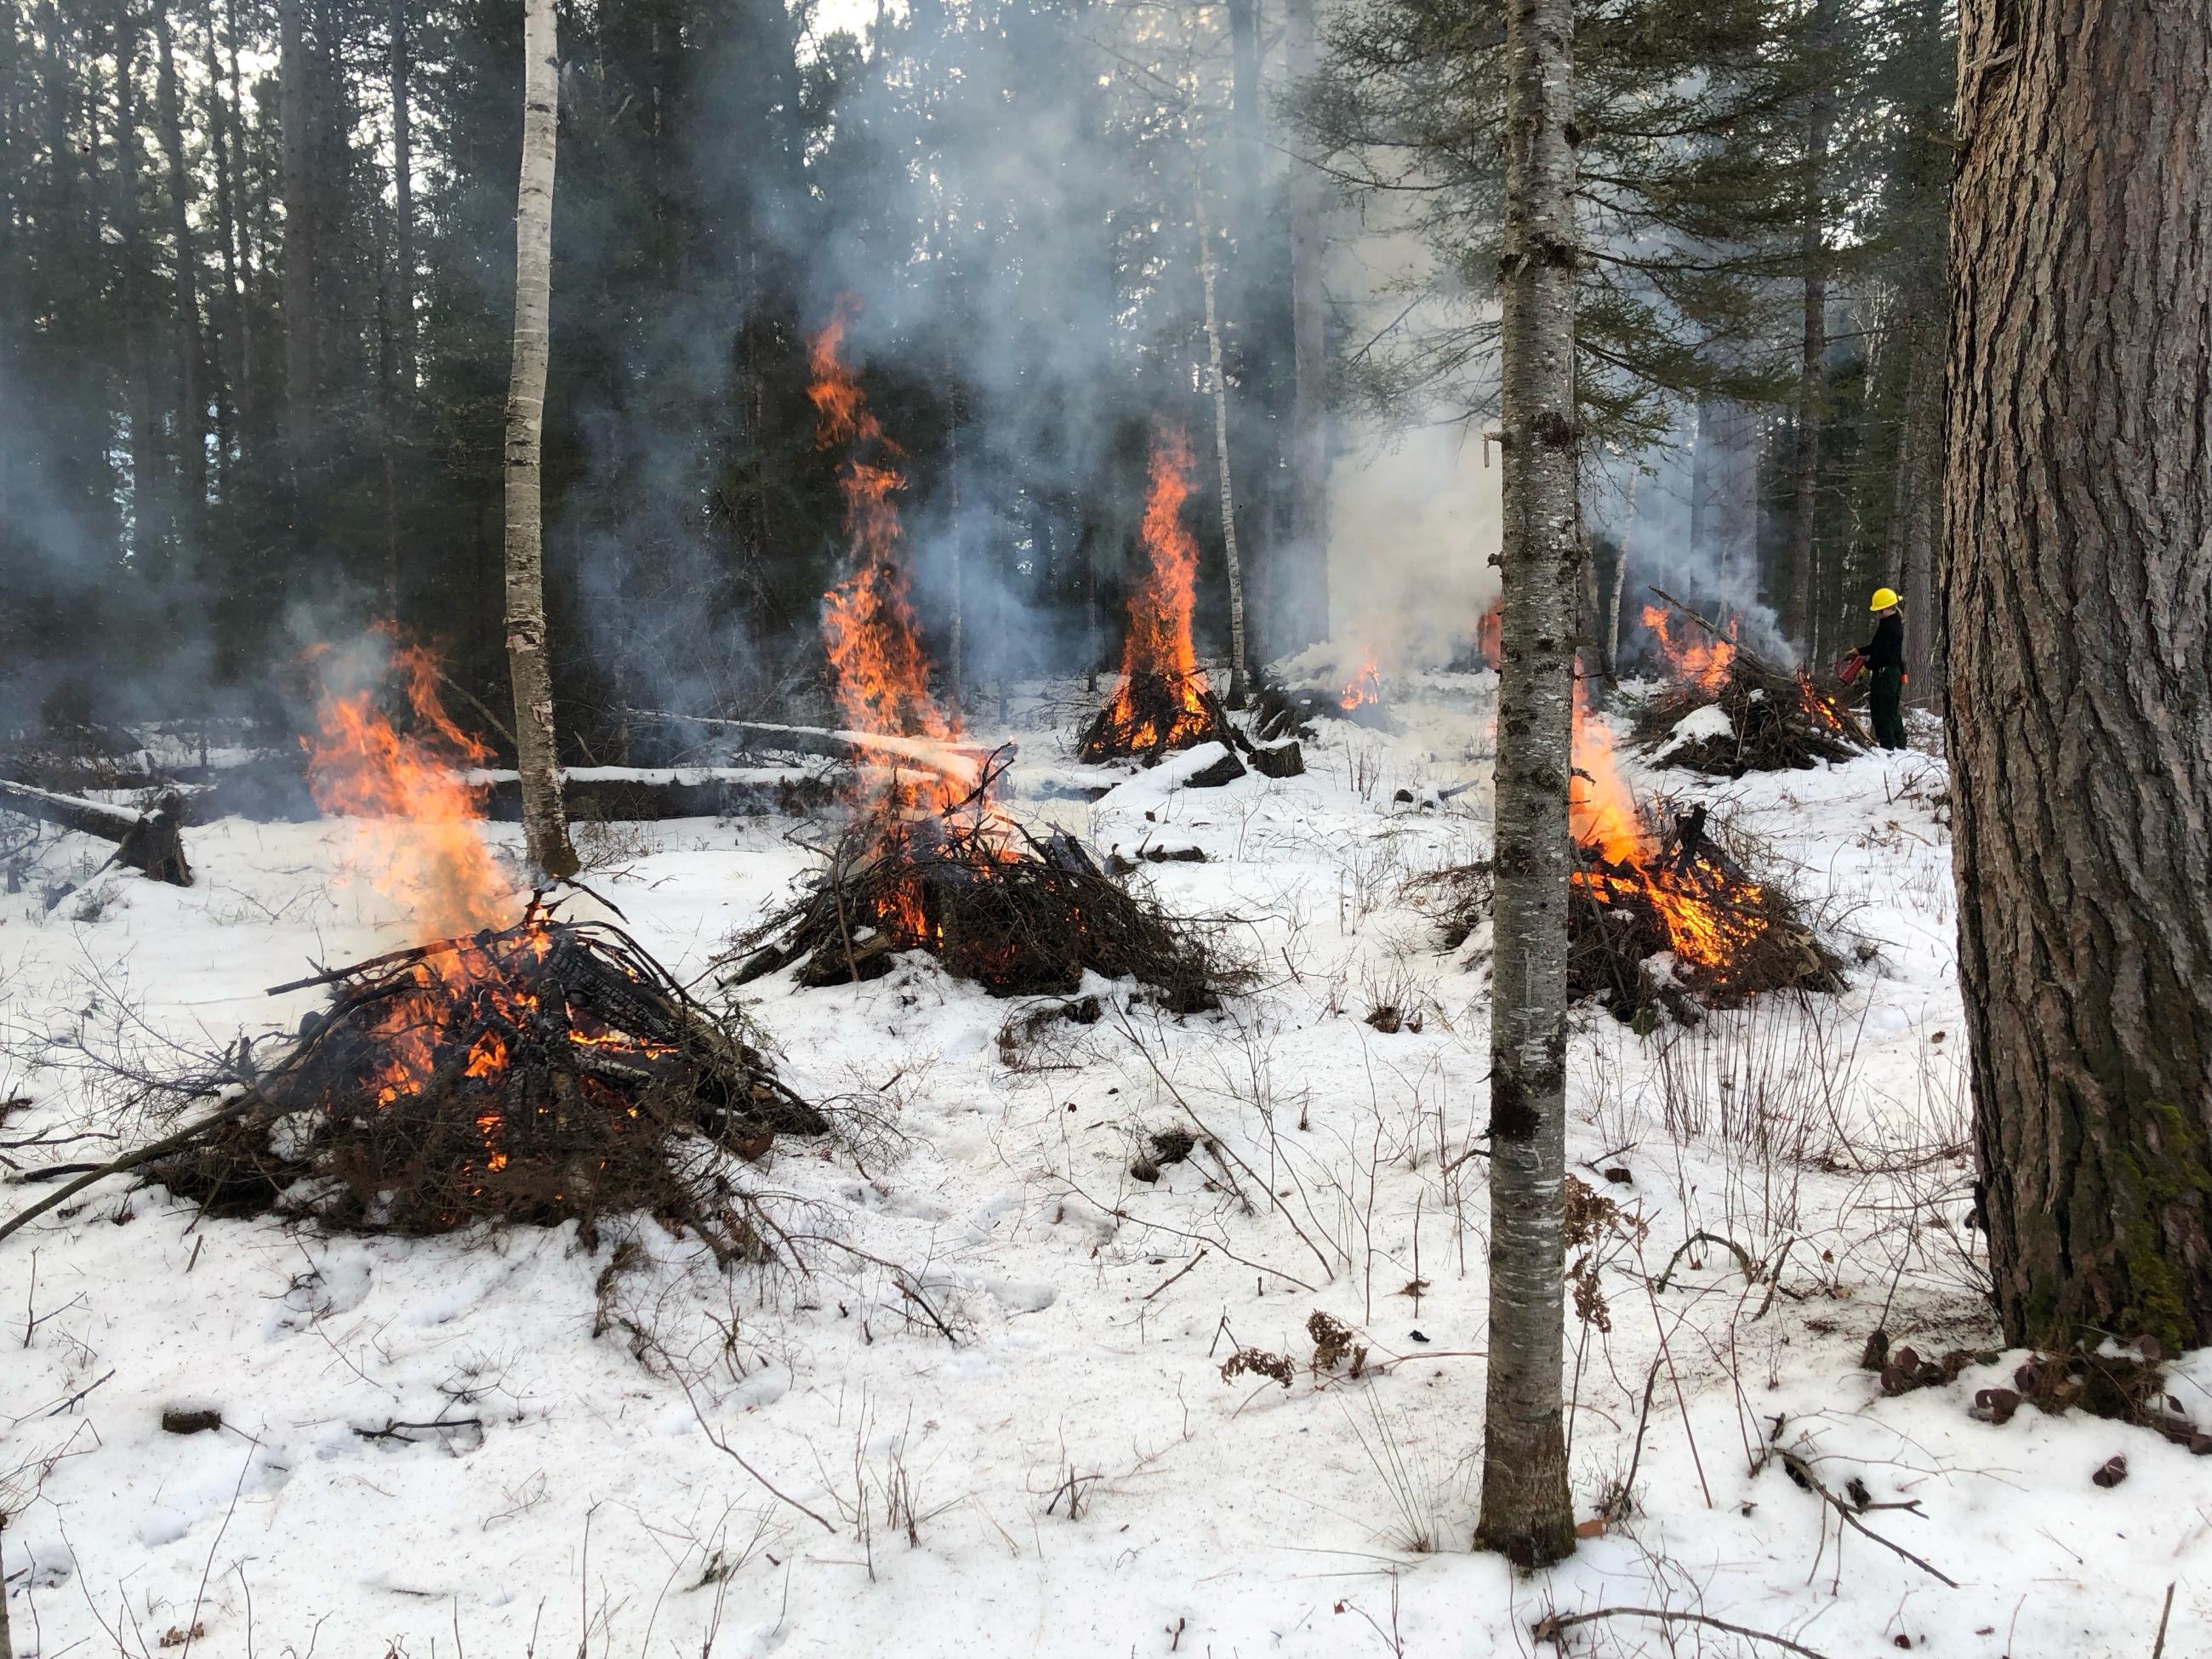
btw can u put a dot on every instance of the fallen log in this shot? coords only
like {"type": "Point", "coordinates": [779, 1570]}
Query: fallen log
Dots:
{"type": "Point", "coordinates": [959, 763]}
{"type": "Point", "coordinates": [649, 794]}
{"type": "Point", "coordinates": [151, 842]}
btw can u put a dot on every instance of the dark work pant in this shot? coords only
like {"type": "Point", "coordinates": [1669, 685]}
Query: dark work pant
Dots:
{"type": "Point", "coordinates": [1888, 694]}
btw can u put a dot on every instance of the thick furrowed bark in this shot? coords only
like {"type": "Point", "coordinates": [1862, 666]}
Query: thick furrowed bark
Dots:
{"type": "Point", "coordinates": [2078, 504]}
{"type": "Point", "coordinates": [1525, 1513]}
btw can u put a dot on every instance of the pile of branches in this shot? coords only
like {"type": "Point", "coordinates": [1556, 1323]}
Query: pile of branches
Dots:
{"type": "Point", "coordinates": [1155, 714]}
{"type": "Point", "coordinates": [1776, 719]}
{"type": "Point", "coordinates": [548, 1072]}
{"type": "Point", "coordinates": [1622, 951]}
{"type": "Point", "coordinates": [1020, 917]}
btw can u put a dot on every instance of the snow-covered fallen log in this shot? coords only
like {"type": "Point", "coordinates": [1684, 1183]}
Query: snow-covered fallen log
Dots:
{"type": "Point", "coordinates": [151, 842]}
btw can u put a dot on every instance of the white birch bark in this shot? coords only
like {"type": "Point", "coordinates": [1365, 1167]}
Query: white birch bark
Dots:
{"type": "Point", "coordinates": [1239, 680]}
{"type": "Point", "coordinates": [544, 822]}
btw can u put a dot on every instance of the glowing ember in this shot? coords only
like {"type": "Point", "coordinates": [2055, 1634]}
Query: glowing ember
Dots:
{"type": "Point", "coordinates": [1697, 659]}
{"type": "Point", "coordinates": [868, 626]}
{"type": "Point", "coordinates": [1163, 701]}
{"type": "Point", "coordinates": [415, 819]}
{"type": "Point", "coordinates": [1362, 689]}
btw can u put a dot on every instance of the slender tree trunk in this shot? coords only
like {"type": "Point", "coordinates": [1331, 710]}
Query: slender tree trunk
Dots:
{"type": "Point", "coordinates": [192, 351]}
{"type": "Point", "coordinates": [236, 122]}
{"type": "Point", "coordinates": [1812, 364]}
{"type": "Point", "coordinates": [956, 663]}
{"type": "Point", "coordinates": [2078, 511]}
{"type": "Point", "coordinates": [1613, 573]}
{"type": "Point", "coordinates": [1239, 677]}
{"type": "Point", "coordinates": [1307, 556]}
{"type": "Point", "coordinates": [298, 304]}
{"type": "Point", "coordinates": [1525, 1513]}
{"type": "Point", "coordinates": [14, 176]}
{"type": "Point", "coordinates": [543, 820]}
{"type": "Point", "coordinates": [149, 494]}
{"type": "Point", "coordinates": [1701, 472]}
{"type": "Point", "coordinates": [387, 373]}
{"type": "Point", "coordinates": [403, 201]}
{"type": "Point", "coordinates": [223, 319]}
{"type": "Point", "coordinates": [1921, 481]}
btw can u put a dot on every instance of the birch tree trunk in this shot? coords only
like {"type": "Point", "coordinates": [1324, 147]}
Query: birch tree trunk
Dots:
{"type": "Point", "coordinates": [1306, 607]}
{"type": "Point", "coordinates": [544, 824]}
{"type": "Point", "coordinates": [1239, 679]}
{"type": "Point", "coordinates": [2078, 508]}
{"type": "Point", "coordinates": [1525, 1513]}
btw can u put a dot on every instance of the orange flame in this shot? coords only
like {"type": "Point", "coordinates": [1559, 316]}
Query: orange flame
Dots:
{"type": "Point", "coordinates": [1490, 632]}
{"type": "Point", "coordinates": [1697, 658]}
{"type": "Point", "coordinates": [1362, 688]}
{"type": "Point", "coordinates": [1602, 812]}
{"type": "Point", "coordinates": [1159, 648]}
{"type": "Point", "coordinates": [1702, 927]}
{"type": "Point", "coordinates": [415, 818]}
{"type": "Point", "coordinates": [875, 643]}
{"type": "Point", "coordinates": [868, 626]}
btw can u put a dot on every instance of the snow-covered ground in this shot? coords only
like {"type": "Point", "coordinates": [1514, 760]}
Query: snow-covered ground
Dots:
{"type": "Point", "coordinates": [666, 1458]}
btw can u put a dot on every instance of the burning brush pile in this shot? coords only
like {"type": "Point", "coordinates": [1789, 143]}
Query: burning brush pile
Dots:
{"type": "Point", "coordinates": [1726, 712]}
{"type": "Point", "coordinates": [1016, 916]}
{"type": "Point", "coordinates": [1164, 703]}
{"type": "Point", "coordinates": [542, 1073]}
{"type": "Point", "coordinates": [1656, 918]}
{"type": "Point", "coordinates": [925, 860]}
{"type": "Point", "coordinates": [538, 1070]}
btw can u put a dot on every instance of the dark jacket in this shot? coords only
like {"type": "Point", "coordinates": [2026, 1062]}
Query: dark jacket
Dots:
{"type": "Point", "coordinates": [1887, 648]}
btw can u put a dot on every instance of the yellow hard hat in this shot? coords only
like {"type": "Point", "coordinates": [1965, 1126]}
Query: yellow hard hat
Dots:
{"type": "Point", "coordinates": [1883, 599]}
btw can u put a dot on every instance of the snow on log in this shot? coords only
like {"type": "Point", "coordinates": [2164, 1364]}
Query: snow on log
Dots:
{"type": "Point", "coordinates": [151, 842]}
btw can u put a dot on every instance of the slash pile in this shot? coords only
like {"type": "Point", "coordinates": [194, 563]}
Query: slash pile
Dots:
{"type": "Point", "coordinates": [1019, 919]}
{"type": "Point", "coordinates": [1725, 712]}
{"type": "Point", "coordinates": [543, 1073]}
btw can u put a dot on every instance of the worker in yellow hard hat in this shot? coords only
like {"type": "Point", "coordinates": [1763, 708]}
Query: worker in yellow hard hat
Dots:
{"type": "Point", "coordinates": [1883, 657]}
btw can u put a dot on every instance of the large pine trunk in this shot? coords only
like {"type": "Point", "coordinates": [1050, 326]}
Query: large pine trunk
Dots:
{"type": "Point", "coordinates": [2078, 510]}
{"type": "Point", "coordinates": [1525, 1514]}
{"type": "Point", "coordinates": [544, 824]}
